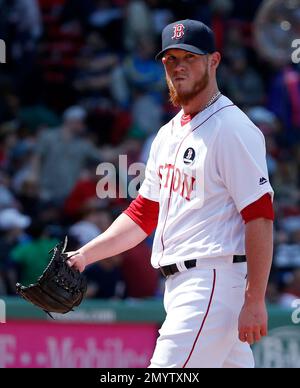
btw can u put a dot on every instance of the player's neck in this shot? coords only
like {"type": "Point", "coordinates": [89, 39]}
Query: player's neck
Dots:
{"type": "Point", "coordinates": [199, 103]}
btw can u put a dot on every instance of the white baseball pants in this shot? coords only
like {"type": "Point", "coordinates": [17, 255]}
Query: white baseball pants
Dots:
{"type": "Point", "coordinates": [201, 326]}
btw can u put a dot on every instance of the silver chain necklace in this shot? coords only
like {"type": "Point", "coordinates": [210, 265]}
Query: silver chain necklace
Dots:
{"type": "Point", "coordinates": [212, 100]}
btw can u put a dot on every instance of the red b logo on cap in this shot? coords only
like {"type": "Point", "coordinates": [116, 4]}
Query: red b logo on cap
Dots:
{"type": "Point", "coordinates": [178, 31]}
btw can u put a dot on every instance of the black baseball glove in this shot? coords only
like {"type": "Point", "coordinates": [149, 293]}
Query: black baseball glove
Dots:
{"type": "Point", "coordinates": [60, 288]}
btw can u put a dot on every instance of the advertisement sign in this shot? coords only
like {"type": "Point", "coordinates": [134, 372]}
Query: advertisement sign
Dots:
{"type": "Point", "coordinates": [57, 345]}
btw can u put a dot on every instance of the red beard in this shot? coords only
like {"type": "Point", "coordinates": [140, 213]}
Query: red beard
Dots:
{"type": "Point", "coordinates": [182, 98]}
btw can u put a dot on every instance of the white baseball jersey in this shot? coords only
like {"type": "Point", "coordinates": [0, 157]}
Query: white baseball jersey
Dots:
{"type": "Point", "coordinates": [203, 174]}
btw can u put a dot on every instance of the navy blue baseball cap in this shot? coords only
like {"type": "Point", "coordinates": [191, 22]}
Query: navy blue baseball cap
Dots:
{"type": "Point", "coordinates": [190, 35]}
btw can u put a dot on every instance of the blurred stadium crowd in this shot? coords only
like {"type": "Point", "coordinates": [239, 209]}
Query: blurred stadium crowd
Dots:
{"type": "Point", "coordinates": [81, 86]}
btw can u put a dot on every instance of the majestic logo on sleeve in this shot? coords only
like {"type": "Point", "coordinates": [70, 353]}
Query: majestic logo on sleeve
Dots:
{"type": "Point", "coordinates": [262, 181]}
{"type": "Point", "coordinates": [189, 156]}
{"type": "Point", "coordinates": [178, 31]}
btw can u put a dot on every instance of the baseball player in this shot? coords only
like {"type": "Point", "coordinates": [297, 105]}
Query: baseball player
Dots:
{"type": "Point", "coordinates": [207, 193]}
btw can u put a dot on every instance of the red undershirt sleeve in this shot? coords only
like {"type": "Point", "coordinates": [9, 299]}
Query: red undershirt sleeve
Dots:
{"type": "Point", "coordinates": [144, 213]}
{"type": "Point", "coordinates": [262, 208]}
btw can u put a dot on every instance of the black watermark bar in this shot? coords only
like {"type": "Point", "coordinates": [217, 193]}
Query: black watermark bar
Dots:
{"type": "Point", "coordinates": [124, 377]}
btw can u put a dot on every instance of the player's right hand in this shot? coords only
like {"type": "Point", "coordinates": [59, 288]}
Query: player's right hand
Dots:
{"type": "Point", "coordinates": [77, 260]}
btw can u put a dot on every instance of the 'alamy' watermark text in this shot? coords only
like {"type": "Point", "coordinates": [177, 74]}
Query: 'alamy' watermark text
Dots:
{"type": "Point", "coordinates": [296, 53]}
{"type": "Point", "coordinates": [2, 311]}
{"type": "Point", "coordinates": [296, 312]}
{"type": "Point", "coordinates": [2, 51]}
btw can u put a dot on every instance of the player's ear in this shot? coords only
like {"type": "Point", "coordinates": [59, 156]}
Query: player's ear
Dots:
{"type": "Point", "coordinates": [215, 59]}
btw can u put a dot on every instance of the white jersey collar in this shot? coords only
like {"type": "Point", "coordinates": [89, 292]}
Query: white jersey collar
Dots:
{"type": "Point", "coordinates": [199, 117]}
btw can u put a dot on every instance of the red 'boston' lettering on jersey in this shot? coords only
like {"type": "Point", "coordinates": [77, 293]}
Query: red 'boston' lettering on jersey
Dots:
{"type": "Point", "coordinates": [187, 186]}
{"type": "Point", "coordinates": [160, 175]}
{"type": "Point", "coordinates": [169, 167]}
{"type": "Point", "coordinates": [177, 180]}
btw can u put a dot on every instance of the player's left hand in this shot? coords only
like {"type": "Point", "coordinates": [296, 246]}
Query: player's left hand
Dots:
{"type": "Point", "coordinates": [253, 322]}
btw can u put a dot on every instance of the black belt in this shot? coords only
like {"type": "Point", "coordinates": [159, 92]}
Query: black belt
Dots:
{"type": "Point", "coordinates": [171, 269]}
